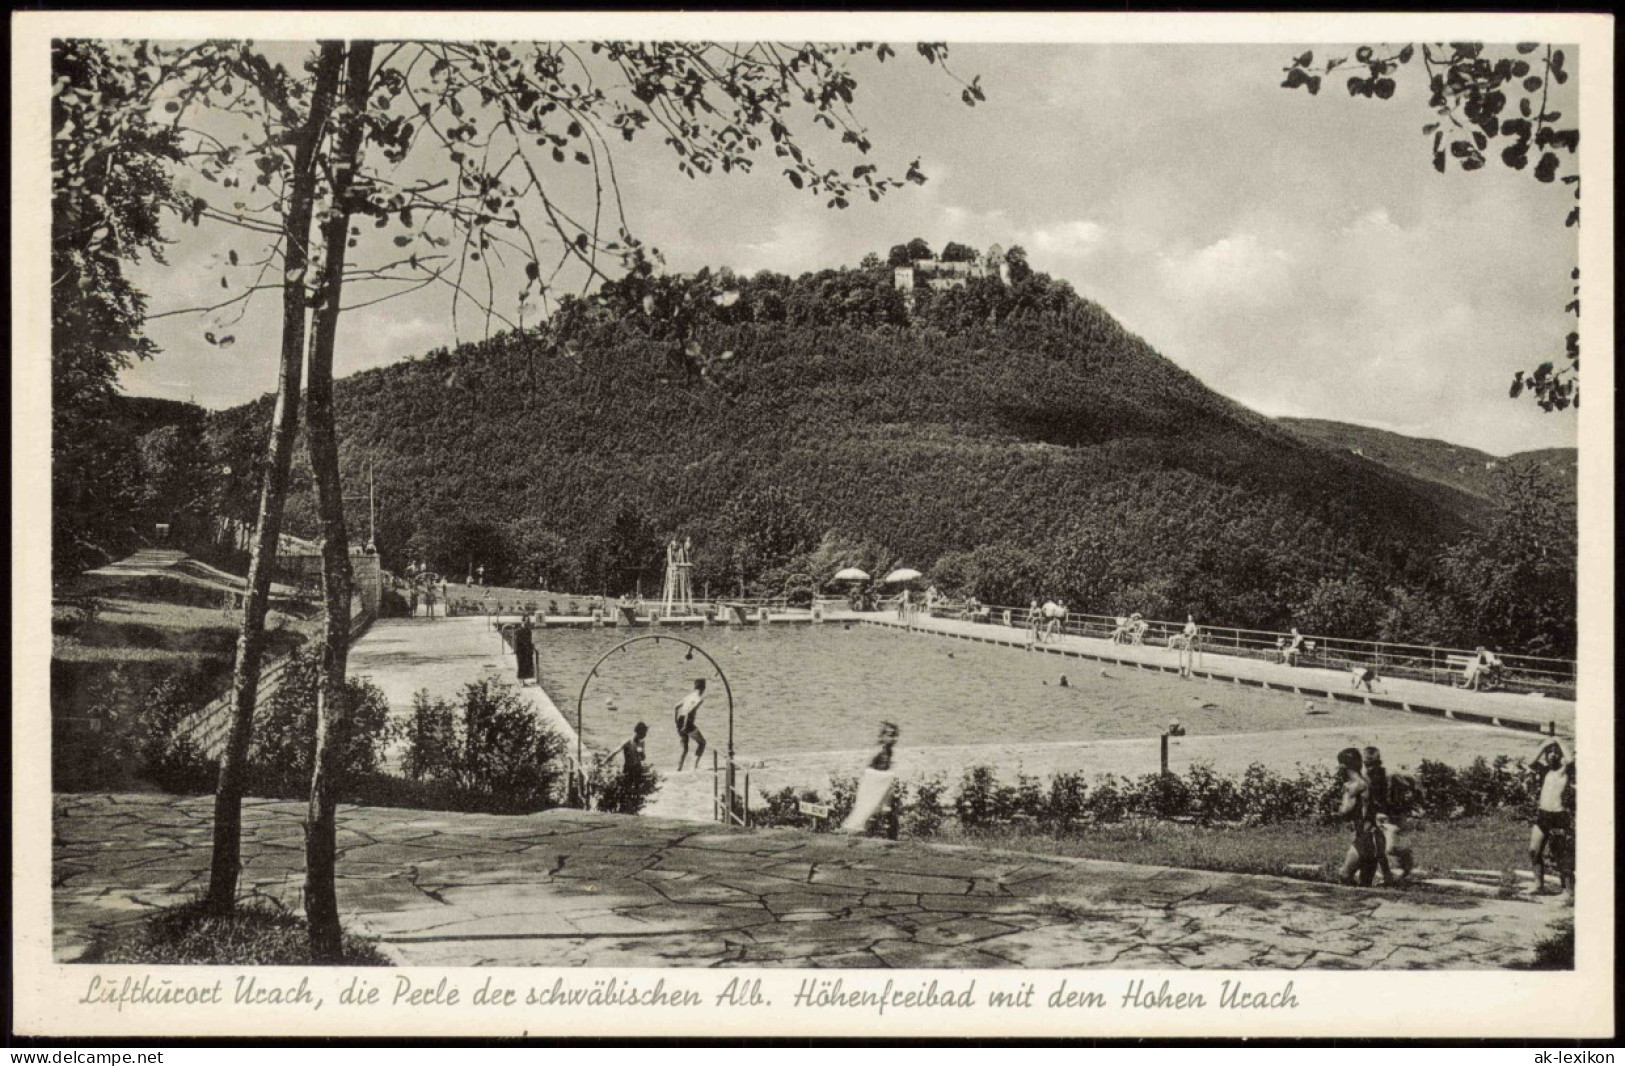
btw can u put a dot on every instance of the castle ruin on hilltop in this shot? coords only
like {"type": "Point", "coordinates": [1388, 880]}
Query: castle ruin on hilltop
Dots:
{"type": "Point", "coordinates": [942, 275]}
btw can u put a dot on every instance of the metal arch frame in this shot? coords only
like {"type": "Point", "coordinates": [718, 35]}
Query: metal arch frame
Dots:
{"type": "Point", "coordinates": [581, 697]}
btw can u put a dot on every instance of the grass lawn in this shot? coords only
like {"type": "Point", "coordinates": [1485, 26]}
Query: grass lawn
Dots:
{"type": "Point", "coordinates": [1495, 841]}
{"type": "Point", "coordinates": [258, 934]}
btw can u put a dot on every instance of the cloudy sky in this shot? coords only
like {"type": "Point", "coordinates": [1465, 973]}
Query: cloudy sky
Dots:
{"type": "Point", "coordinates": [1296, 253]}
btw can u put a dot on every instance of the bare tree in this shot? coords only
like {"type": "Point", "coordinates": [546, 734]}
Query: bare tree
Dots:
{"type": "Point", "coordinates": [490, 169]}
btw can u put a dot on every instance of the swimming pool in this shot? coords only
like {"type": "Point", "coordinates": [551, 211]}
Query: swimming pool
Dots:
{"type": "Point", "coordinates": [801, 688]}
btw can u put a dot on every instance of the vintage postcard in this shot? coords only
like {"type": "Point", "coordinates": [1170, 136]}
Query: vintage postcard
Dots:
{"type": "Point", "coordinates": [810, 524]}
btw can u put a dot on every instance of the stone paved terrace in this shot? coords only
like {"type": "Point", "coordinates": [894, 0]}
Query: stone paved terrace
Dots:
{"type": "Point", "coordinates": [569, 888]}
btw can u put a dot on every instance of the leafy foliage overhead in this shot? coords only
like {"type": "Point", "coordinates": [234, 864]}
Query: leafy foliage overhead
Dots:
{"type": "Point", "coordinates": [1489, 100]}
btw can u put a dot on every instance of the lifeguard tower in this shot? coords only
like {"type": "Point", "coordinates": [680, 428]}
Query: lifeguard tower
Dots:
{"type": "Point", "coordinates": [678, 596]}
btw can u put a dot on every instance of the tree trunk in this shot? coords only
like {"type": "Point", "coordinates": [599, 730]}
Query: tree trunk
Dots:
{"type": "Point", "coordinates": [321, 898]}
{"type": "Point", "coordinates": [228, 798]}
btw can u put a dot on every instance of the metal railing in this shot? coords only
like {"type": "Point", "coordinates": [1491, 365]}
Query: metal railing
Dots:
{"type": "Point", "coordinates": [1421, 662]}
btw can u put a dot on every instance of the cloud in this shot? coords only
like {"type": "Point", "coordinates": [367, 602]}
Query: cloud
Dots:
{"type": "Point", "coordinates": [1240, 266]}
{"type": "Point", "coordinates": [380, 335]}
{"type": "Point", "coordinates": [1077, 239]}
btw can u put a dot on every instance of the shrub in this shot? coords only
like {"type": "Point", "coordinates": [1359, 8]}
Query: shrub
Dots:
{"type": "Point", "coordinates": [393, 605]}
{"type": "Point", "coordinates": [1212, 798]}
{"type": "Point", "coordinates": [285, 732]}
{"type": "Point", "coordinates": [843, 797]}
{"type": "Point", "coordinates": [1441, 789]}
{"type": "Point", "coordinates": [92, 754]}
{"type": "Point", "coordinates": [256, 933]}
{"type": "Point", "coordinates": [624, 791]}
{"type": "Point", "coordinates": [1158, 796]}
{"type": "Point", "coordinates": [1556, 952]}
{"type": "Point", "coordinates": [183, 769]}
{"type": "Point", "coordinates": [1268, 797]}
{"type": "Point", "coordinates": [1260, 796]}
{"type": "Point", "coordinates": [1068, 799]}
{"type": "Point", "coordinates": [781, 807]}
{"type": "Point", "coordinates": [490, 752]}
{"type": "Point", "coordinates": [1028, 800]}
{"type": "Point", "coordinates": [1106, 802]}
{"type": "Point", "coordinates": [925, 815]}
{"type": "Point", "coordinates": [430, 736]}
{"type": "Point", "coordinates": [169, 759]}
{"type": "Point", "coordinates": [977, 802]}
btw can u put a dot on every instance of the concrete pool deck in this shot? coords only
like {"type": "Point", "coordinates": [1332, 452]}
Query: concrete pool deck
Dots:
{"type": "Point", "coordinates": [567, 888]}
{"type": "Point", "coordinates": [1514, 710]}
{"type": "Point", "coordinates": [403, 656]}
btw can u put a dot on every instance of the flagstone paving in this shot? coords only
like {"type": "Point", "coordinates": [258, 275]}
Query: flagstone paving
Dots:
{"type": "Point", "coordinates": [576, 889]}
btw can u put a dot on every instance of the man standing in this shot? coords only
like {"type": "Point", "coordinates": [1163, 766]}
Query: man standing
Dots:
{"type": "Point", "coordinates": [685, 712]}
{"type": "Point", "coordinates": [1054, 619]}
{"type": "Point", "coordinates": [1553, 831]}
{"type": "Point", "coordinates": [524, 651]}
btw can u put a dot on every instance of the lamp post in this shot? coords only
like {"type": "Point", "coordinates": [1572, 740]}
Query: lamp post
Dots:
{"type": "Point", "coordinates": [372, 510]}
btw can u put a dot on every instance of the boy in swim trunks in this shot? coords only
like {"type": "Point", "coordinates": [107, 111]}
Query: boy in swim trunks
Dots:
{"type": "Point", "coordinates": [685, 712]}
{"type": "Point", "coordinates": [1388, 817]}
{"type": "Point", "coordinates": [1553, 832]}
{"type": "Point", "coordinates": [631, 753]}
{"type": "Point", "coordinates": [1360, 863]}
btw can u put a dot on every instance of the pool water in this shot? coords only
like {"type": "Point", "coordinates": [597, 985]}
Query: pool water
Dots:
{"type": "Point", "coordinates": [826, 688]}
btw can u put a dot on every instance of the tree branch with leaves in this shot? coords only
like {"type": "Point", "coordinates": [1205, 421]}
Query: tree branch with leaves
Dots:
{"type": "Point", "coordinates": [1487, 100]}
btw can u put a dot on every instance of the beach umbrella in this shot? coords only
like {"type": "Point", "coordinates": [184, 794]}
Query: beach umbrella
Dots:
{"type": "Point", "coordinates": [851, 573]}
{"type": "Point", "coordinates": [898, 576]}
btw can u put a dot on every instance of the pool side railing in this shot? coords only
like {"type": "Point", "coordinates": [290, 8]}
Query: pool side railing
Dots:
{"type": "Point", "coordinates": [1520, 673]}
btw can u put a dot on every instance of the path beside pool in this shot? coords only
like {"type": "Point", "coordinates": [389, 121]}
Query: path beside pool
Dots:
{"type": "Point", "coordinates": [568, 888]}
{"type": "Point", "coordinates": [403, 656]}
{"type": "Point", "coordinates": [1532, 712]}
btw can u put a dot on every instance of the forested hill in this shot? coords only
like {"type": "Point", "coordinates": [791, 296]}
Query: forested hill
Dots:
{"type": "Point", "coordinates": [1014, 440]}
{"type": "Point", "coordinates": [1464, 469]}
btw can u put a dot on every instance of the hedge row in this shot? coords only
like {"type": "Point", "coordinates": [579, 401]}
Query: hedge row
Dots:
{"type": "Point", "coordinates": [1065, 801]}
{"type": "Point", "coordinates": [485, 751]}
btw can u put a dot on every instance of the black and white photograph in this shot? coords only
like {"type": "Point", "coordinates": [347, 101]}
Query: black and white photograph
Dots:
{"type": "Point", "coordinates": [912, 525]}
